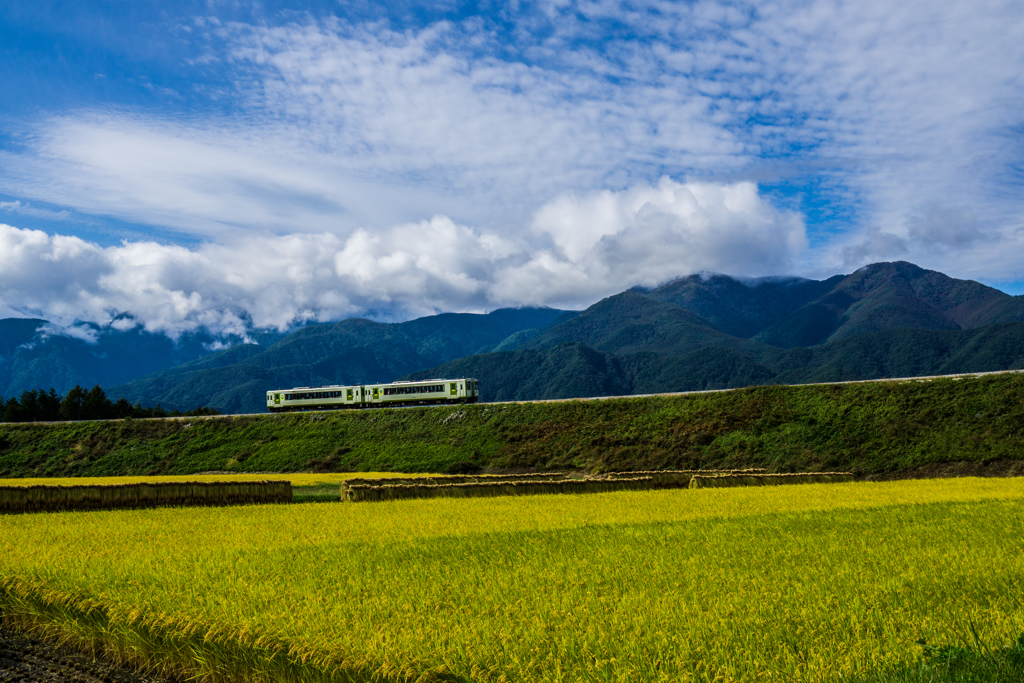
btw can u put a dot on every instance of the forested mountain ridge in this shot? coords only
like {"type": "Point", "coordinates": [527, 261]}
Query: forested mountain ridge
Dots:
{"type": "Point", "coordinates": [889, 296]}
{"type": "Point", "coordinates": [697, 332]}
{"type": "Point", "coordinates": [574, 370]}
{"type": "Point", "coordinates": [716, 332]}
{"type": "Point", "coordinates": [785, 312]}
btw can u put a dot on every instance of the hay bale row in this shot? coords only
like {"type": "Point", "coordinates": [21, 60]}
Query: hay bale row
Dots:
{"type": "Point", "coordinates": [703, 481]}
{"type": "Point", "coordinates": [365, 493]}
{"type": "Point", "coordinates": [446, 479]}
{"type": "Point", "coordinates": [676, 479]}
{"type": "Point", "coordinates": [665, 478]}
{"type": "Point", "coordinates": [14, 499]}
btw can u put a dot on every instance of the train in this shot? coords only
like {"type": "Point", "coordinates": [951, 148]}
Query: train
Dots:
{"type": "Point", "coordinates": [423, 392]}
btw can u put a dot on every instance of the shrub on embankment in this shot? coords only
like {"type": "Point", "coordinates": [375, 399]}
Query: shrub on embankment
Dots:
{"type": "Point", "coordinates": [864, 428]}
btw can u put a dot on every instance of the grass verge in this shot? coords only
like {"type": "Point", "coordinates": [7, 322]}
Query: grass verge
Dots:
{"type": "Point", "coordinates": [868, 429]}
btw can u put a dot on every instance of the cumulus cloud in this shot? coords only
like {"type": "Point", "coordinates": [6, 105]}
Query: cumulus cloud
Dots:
{"type": "Point", "coordinates": [577, 249]}
{"type": "Point", "coordinates": [607, 241]}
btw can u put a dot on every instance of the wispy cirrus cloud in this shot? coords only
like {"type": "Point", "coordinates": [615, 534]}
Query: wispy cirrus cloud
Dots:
{"type": "Point", "coordinates": [25, 209]}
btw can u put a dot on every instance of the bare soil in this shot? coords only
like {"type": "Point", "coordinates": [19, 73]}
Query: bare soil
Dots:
{"type": "Point", "coordinates": [24, 659]}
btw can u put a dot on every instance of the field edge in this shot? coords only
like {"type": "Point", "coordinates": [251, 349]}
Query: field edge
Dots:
{"type": "Point", "coordinates": [177, 649]}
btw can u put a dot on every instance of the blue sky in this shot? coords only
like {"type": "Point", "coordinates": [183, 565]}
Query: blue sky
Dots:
{"type": "Point", "coordinates": [226, 164]}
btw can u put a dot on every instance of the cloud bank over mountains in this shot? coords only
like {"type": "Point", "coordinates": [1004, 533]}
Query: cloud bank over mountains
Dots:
{"type": "Point", "coordinates": [578, 249]}
{"type": "Point", "coordinates": [543, 153]}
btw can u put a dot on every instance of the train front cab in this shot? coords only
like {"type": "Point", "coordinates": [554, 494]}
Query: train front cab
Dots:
{"type": "Point", "coordinates": [464, 391]}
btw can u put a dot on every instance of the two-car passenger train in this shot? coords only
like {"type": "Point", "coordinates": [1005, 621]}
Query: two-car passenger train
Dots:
{"type": "Point", "coordinates": [423, 392]}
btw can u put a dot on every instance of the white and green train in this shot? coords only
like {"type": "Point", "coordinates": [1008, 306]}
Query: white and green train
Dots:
{"type": "Point", "coordinates": [424, 392]}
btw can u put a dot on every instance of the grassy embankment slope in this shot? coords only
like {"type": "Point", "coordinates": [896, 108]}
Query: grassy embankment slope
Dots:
{"type": "Point", "coordinates": [865, 428]}
{"type": "Point", "coordinates": [812, 583]}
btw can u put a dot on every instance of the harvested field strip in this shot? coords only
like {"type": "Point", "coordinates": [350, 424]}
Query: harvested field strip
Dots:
{"type": "Point", "coordinates": [730, 480]}
{"type": "Point", "coordinates": [357, 493]}
{"type": "Point", "coordinates": [551, 589]}
{"type": "Point", "coordinates": [17, 499]}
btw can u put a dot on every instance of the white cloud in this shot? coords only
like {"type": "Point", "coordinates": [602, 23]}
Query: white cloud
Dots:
{"type": "Point", "coordinates": [547, 137]}
{"type": "Point", "coordinates": [81, 332]}
{"type": "Point", "coordinates": [29, 210]}
{"type": "Point", "coordinates": [606, 242]}
{"type": "Point", "coordinates": [648, 234]}
{"type": "Point", "coordinates": [344, 127]}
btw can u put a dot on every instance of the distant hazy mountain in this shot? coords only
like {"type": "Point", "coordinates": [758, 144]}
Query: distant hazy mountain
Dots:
{"type": "Point", "coordinates": [32, 356]}
{"type": "Point", "coordinates": [349, 352]}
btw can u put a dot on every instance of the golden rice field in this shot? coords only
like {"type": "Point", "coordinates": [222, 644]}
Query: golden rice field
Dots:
{"type": "Point", "coordinates": [802, 583]}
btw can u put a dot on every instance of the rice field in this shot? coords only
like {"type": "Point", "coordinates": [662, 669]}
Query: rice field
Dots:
{"type": "Point", "coordinates": [831, 582]}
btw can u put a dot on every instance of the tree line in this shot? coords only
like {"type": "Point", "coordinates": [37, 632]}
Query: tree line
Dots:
{"type": "Point", "coordinates": [79, 404]}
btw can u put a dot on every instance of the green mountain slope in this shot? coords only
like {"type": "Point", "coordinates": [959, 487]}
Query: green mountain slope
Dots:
{"type": "Point", "coordinates": [739, 308]}
{"type": "Point", "coordinates": [349, 352]}
{"type": "Point", "coordinates": [574, 370]}
{"type": "Point", "coordinates": [631, 322]}
{"type": "Point", "coordinates": [887, 296]}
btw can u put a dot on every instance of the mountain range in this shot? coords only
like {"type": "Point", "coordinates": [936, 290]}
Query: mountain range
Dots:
{"type": "Point", "coordinates": [697, 332]}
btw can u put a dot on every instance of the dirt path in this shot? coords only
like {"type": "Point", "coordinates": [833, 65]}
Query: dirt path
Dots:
{"type": "Point", "coordinates": [27, 660]}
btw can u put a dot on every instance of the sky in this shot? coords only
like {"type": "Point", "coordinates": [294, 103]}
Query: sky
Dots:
{"type": "Point", "coordinates": [224, 164]}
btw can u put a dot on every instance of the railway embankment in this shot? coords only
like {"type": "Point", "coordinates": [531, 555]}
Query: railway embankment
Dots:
{"type": "Point", "coordinates": [876, 430]}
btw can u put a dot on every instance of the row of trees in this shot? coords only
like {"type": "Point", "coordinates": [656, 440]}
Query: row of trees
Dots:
{"type": "Point", "coordinates": [79, 404]}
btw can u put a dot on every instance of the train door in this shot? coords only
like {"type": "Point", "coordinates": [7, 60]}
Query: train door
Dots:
{"type": "Point", "coordinates": [376, 394]}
